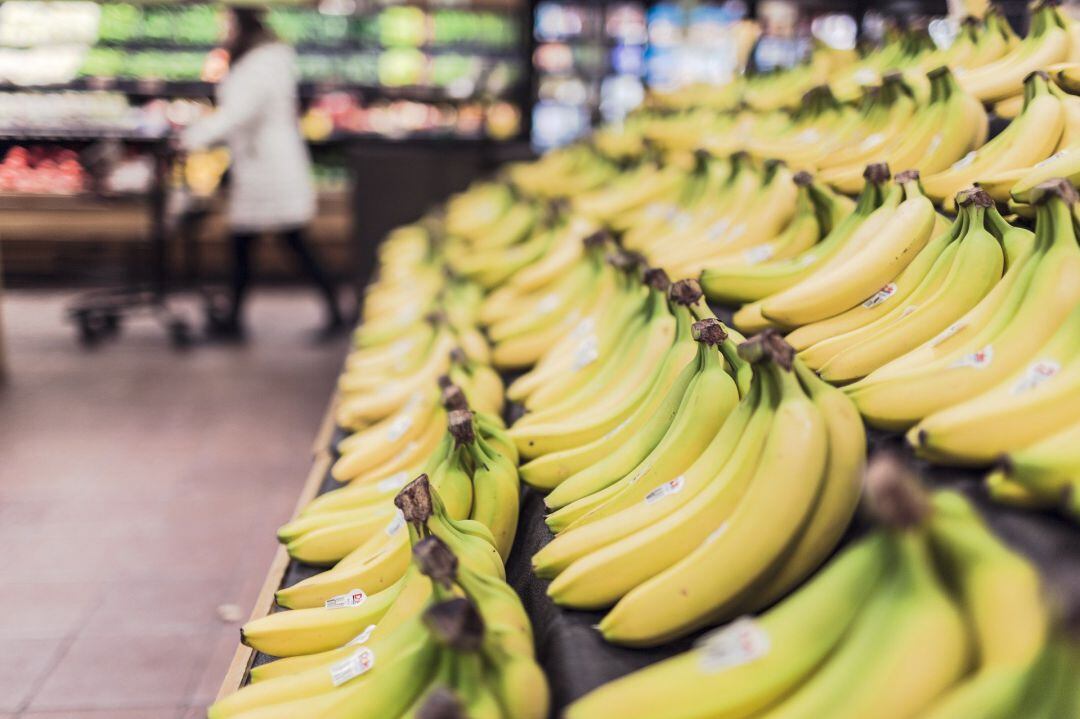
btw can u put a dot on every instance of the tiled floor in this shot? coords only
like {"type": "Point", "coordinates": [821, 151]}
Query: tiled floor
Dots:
{"type": "Point", "coordinates": [139, 492]}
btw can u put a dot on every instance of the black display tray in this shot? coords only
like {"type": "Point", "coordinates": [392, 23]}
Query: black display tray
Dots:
{"type": "Point", "coordinates": [577, 660]}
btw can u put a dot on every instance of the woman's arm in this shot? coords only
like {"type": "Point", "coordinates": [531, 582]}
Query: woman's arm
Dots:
{"type": "Point", "coordinates": [241, 106]}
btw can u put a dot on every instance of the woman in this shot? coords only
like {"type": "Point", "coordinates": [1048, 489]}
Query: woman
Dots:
{"type": "Point", "coordinates": [272, 190]}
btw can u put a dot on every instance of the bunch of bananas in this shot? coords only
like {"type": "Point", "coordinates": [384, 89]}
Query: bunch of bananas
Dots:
{"type": "Point", "coordinates": [1050, 41]}
{"type": "Point", "coordinates": [948, 276]}
{"type": "Point", "coordinates": [563, 172]}
{"type": "Point", "coordinates": [418, 324]}
{"type": "Point", "coordinates": [930, 616]}
{"type": "Point", "coordinates": [1049, 122]}
{"type": "Point", "coordinates": [875, 248]}
{"type": "Point", "coordinates": [474, 465]}
{"type": "Point", "coordinates": [992, 341]}
{"type": "Point", "coordinates": [450, 634]}
{"type": "Point", "coordinates": [730, 508]}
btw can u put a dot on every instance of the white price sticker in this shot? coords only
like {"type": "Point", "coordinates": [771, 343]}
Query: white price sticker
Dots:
{"type": "Point", "coordinates": [586, 354]}
{"type": "Point", "coordinates": [947, 333]}
{"type": "Point", "coordinates": [1036, 373]}
{"type": "Point", "coordinates": [979, 359]}
{"type": "Point", "coordinates": [666, 489]}
{"type": "Point", "coordinates": [872, 141]}
{"type": "Point", "coordinates": [717, 228]}
{"type": "Point", "coordinates": [393, 483]}
{"type": "Point", "coordinates": [964, 161]}
{"type": "Point", "coordinates": [759, 254]}
{"type": "Point", "coordinates": [738, 643]}
{"type": "Point", "coordinates": [362, 637]}
{"type": "Point", "coordinates": [399, 427]}
{"type": "Point", "coordinates": [353, 598]}
{"type": "Point", "coordinates": [396, 524]}
{"type": "Point", "coordinates": [1055, 156]}
{"type": "Point", "coordinates": [359, 663]}
{"type": "Point", "coordinates": [584, 328]}
{"type": "Point", "coordinates": [880, 296]}
{"type": "Point", "coordinates": [547, 303]}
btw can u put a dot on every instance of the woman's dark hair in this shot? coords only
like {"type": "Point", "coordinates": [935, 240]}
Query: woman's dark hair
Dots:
{"type": "Point", "coordinates": [250, 31]}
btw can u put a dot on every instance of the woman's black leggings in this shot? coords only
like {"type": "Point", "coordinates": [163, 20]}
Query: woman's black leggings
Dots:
{"type": "Point", "coordinates": [243, 242]}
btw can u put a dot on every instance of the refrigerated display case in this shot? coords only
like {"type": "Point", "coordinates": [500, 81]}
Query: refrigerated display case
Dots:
{"type": "Point", "coordinates": [589, 66]}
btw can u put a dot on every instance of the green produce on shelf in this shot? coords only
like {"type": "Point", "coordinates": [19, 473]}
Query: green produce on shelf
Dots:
{"type": "Point", "coordinates": [119, 22]}
{"type": "Point", "coordinates": [316, 67]}
{"type": "Point", "coordinates": [403, 26]}
{"type": "Point", "coordinates": [401, 66]}
{"type": "Point", "coordinates": [361, 68]}
{"type": "Point", "coordinates": [103, 62]}
{"type": "Point", "coordinates": [198, 25]}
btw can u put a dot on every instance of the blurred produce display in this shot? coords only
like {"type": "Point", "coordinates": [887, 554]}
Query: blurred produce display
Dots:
{"type": "Point", "coordinates": [431, 56]}
{"type": "Point", "coordinates": [43, 170]}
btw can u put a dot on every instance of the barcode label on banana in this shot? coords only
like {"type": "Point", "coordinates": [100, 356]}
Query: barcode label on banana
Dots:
{"type": "Point", "coordinates": [353, 598]}
{"type": "Point", "coordinates": [964, 161]}
{"type": "Point", "coordinates": [757, 255]}
{"type": "Point", "coordinates": [880, 296]}
{"type": "Point", "coordinates": [1036, 373]}
{"type": "Point", "coordinates": [396, 524]}
{"type": "Point", "coordinates": [740, 642]}
{"type": "Point", "coordinates": [717, 229]}
{"type": "Point", "coordinates": [359, 663]}
{"type": "Point", "coordinates": [947, 333]}
{"type": "Point", "coordinates": [666, 489]}
{"type": "Point", "coordinates": [584, 328]}
{"type": "Point", "coordinates": [547, 303]}
{"type": "Point", "coordinates": [399, 427]}
{"type": "Point", "coordinates": [393, 483]}
{"type": "Point", "coordinates": [977, 360]}
{"type": "Point", "coordinates": [586, 354]}
{"type": "Point", "coordinates": [362, 637]}
{"type": "Point", "coordinates": [1055, 156]}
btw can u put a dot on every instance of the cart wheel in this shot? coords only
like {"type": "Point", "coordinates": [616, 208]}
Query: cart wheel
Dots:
{"type": "Point", "coordinates": [110, 324]}
{"type": "Point", "coordinates": [89, 336]}
{"type": "Point", "coordinates": [180, 334]}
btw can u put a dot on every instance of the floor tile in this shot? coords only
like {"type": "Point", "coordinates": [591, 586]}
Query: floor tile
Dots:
{"type": "Point", "coordinates": [23, 664]}
{"type": "Point", "coordinates": [45, 610]}
{"type": "Point", "coordinates": [140, 490]}
{"type": "Point", "coordinates": [159, 713]}
{"type": "Point", "coordinates": [121, 671]}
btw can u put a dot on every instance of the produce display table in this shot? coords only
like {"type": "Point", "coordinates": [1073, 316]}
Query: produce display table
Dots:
{"type": "Point", "coordinates": [573, 654]}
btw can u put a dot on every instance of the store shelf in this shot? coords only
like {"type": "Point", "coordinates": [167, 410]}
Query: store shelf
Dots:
{"type": "Point", "coordinates": [575, 657]}
{"type": "Point", "coordinates": [236, 674]}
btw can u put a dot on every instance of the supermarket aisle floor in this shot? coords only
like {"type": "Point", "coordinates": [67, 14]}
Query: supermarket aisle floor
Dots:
{"type": "Point", "coordinates": [139, 493]}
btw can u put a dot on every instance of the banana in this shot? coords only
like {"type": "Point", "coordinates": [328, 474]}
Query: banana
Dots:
{"type": "Point", "coordinates": [742, 668]}
{"type": "Point", "coordinates": [624, 457]}
{"type": "Point", "coordinates": [1002, 596]}
{"type": "Point", "coordinates": [1048, 471]}
{"type": "Point", "coordinates": [1046, 45]}
{"type": "Point", "coordinates": [687, 594]}
{"type": "Point", "coordinates": [754, 283]}
{"type": "Point", "coordinates": [308, 631]}
{"type": "Point", "coordinates": [617, 426]}
{"type": "Point", "coordinates": [907, 646]}
{"type": "Point", "coordinates": [839, 498]}
{"type": "Point", "coordinates": [903, 398]}
{"type": "Point", "coordinates": [846, 283]}
{"type": "Point", "coordinates": [971, 274]}
{"type": "Point", "coordinates": [496, 491]}
{"type": "Point", "coordinates": [676, 438]}
{"type": "Point", "coordinates": [1027, 406]}
{"type": "Point", "coordinates": [813, 340]}
{"type": "Point", "coordinates": [644, 522]}
{"type": "Point", "coordinates": [1040, 125]}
